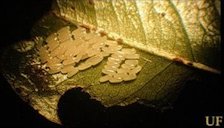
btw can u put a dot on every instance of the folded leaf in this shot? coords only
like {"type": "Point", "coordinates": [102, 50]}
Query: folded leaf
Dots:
{"type": "Point", "coordinates": [163, 32]}
{"type": "Point", "coordinates": [168, 28]}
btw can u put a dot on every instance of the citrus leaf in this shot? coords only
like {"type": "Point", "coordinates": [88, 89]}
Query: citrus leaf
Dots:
{"type": "Point", "coordinates": [160, 30]}
{"type": "Point", "coordinates": [169, 28]}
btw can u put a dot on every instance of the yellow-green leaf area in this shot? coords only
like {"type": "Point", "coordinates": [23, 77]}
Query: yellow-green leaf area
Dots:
{"type": "Point", "coordinates": [161, 31]}
{"type": "Point", "coordinates": [170, 28]}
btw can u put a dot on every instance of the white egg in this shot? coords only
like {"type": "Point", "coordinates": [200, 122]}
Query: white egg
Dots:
{"type": "Point", "coordinates": [84, 66]}
{"type": "Point", "coordinates": [72, 73]}
{"type": "Point", "coordinates": [131, 62]}
{"type": "Point", "coordinates": [104, 78]}
{"type": "Point", "coordinates": [79, 32]}
{"type": "Point", "coordinates": [115, 80]}
{"type": "Point", "coordinates": [130, 77]}
{"type": "Point", "coordinates": [128, 50]}
{"type": "Point", "coordinates": [67, 69]}
{"type": "Point", "coordinates": [51, 38]}
{"type": "Point", "coordinates": [68, 61]}
{"type": "Point", "coordinates": [122, 70]}
{"type": "Point", "coordinates": [111, 42]}
{"type": "Point", "coordinates": [132, 56]}
{"type": "Point", "coordinates": [64, 34]}
{"type": "Point", "coordinates": [108, 72]}
{"type": "Point", "coordinates": [110, 67]}
{"type": "Point", "coordinates": [127, 67]}
{"type": "Point", "coordinates": [136, 70]}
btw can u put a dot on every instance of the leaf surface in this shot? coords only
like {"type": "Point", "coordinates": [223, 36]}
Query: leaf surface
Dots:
{"type": "Point", "coordinates": [160, 30]}
{"type": "Point", "coordinates": [169, 28]}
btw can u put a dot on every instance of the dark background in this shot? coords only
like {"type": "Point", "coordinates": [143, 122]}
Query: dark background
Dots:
{"type": "Point", "coordinates": [197, 99]}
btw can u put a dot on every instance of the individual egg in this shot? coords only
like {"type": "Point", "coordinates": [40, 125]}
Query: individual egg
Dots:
{"type": "Point", "coordinates": [80, 32]}
{"type": "Point", "coordinates": [111, 59]}
{"type": "Point", "coordinates": [84, 66]}
{"type": "Point", "coordinates": [131, 62]}
{"type": "Point", "coordinates": [129, 77]}
{"type": "Point", "coordinates": [111, 67]}
{"type": "Point", "coordinates": [111, 42]}
{"type": "Point", "coordinates": [136, 70]}
{"type": "Point", "coordinates": [128, 50]}
{"type": "Point", "coordinates": [118, 56]}
{"type": "Point", "coordinates": [89, 36]}
{"type": "Point", "coordinates": [69, 61]}
{"type": "Point", "coordinates": [64, 34]}
{"type": "Point", "coordinates": [95, 60]}
{"type": "Point", "coordinates": [67, 69]}
{"type": "Point", "coordinates": [105, 78]}
{"type": "Point", "coordinates": [93, 51]}
{"type": "Point", "coordinates": [108, 72]}
{"type": "Point", "coordinates": [72, 72]}
{"type": "Point", "coordinates": [54, 69]}
{"type": "Point", "coordinates": [115, 80]}
{"type": "Point", "coordinates": [52, 38]}
{"type": "Point", "coordinates": [132, 56]}
{"type": "Point", "coordinates": [122, 70]}
{"type": "Point", "coordinates": [127, 67]}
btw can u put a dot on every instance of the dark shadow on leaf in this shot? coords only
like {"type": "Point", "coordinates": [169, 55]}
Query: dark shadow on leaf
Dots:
{"type": "Point", "coordinates": [76, 109]}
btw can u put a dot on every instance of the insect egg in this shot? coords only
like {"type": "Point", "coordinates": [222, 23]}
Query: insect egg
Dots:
{"type": "Point", "coordinates": [77, 42]}
{"type": "Point", "coordinates": [44, 54]}
{"type": "Point", "coordinates": [78, 58]}
{"type": "Point", "coordinates": [64, 34]}
{"type": "Point", "coordinates": [98, 45]}
{"type": "Point", "coordinates": [112, 63]}
{"type": "Point", "coordinates": [55, 69]}
{"type": "Point", "coordinates": [114, 59]}
{"type": "Point", "coordinates": [79, 32]}
{"type": "Point", "coordinates": [84, 66]}
{"type": "Point", "coordinates": [132, 56]}
{"type": "Point", "coordinates": [105, 54]}
{"type": "Point", "coordinates": [115, 80]}
{"type": "Point", "coordinates": [130, 77]}
{"type": "Point", "coordinates": [68, 61]}
{"type": "Point", "coordinates": [111, 42]}
{"type": "Point", "coordinates": [84, 56]}
{"type": "Point", "coordinates": [122, 70]}
{"type": "Point", "coordinates": [97, 60]}
{"type": "Point", "coordinates": [52, 38]}
{"type": "Point", "coordinates": [67, 69]}
{"type": "Point", "coordinates": [108, 72]}
{"type": "Point", "coordinates": [59, 50]}
{"type": "Point", "coordinates": [115, 48]}
{"type": "Point", "coordinates": [128, 51]}
{"type": "Point", "coordinates": [72, 73]}
{"type": "Point", "coordinates": [104, 78]}
{"type": "Point", "coordinates": [118, 56]}
{"type": "Point", "coordinates": [118, 76]}
{"type": "Point", "coordinates": [126, 66]}
{"type": "Point", "coordinates": [65, 49]}
{"type": "Point", "coordinates": [131, 62]}
{"type": "Point", "coordinates": [136, 70]}
{"type": "Point", "coordinates": [89, 36]}
{"type": "Point", "coordinates": [110, 67]}
{"type": "Point", "coordinates": [97, 39]}
{"type": "Point", "coordinates": [52, 45]}
{"type": "Point", "coordinates": [93, 51]}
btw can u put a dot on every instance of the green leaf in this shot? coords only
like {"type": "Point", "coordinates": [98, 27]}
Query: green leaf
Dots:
{"type": "Point", "coordinates": [172, 37]}
{"type": "Point", "coordinates": [169, 28]}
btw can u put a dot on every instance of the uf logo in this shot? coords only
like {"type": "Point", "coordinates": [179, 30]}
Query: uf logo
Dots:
{"type": "Point", "coordinates": [213, 120]}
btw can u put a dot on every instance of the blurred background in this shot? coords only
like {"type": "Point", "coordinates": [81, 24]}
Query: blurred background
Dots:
{"type": "Point", "coordinates": [197, 100]}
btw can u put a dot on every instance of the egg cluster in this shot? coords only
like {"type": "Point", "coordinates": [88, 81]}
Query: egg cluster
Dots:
{"type": "Point", "coordinates": [69, 52]}
{"type": "Point", "coordinates": [121, 66]}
